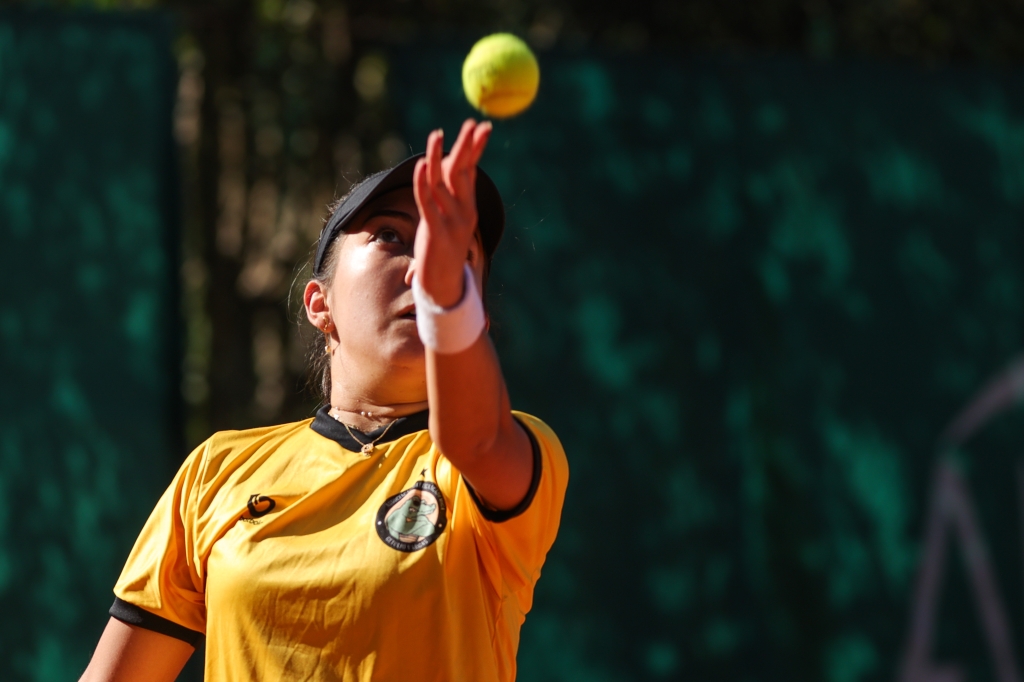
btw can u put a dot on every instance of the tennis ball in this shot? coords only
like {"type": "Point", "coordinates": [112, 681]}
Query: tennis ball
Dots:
{"type": "Point", "coordinates": [500, 76]}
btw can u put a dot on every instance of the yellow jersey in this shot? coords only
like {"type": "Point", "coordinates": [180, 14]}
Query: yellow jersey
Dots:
{"type": "Point", "coordinates": [300, 557]}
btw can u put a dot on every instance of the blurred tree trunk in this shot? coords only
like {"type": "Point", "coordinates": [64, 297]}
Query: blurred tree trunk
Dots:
{"type": "Point", "coordinates": [222, 32]}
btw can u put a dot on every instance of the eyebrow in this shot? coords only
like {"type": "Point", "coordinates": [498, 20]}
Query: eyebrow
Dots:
{"type": "Point", "coordinates": [389, 212]}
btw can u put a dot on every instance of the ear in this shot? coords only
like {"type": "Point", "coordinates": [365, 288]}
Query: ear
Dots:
{"type": "Point", "coordinates": [314, 299]}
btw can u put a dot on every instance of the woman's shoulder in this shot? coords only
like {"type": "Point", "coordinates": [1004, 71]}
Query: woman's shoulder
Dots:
{"type": "Point", "coordinates": [229, 445]}
{"type": "Point", "coordinates": [260, 433]}
{"type": "Point", "coordinates": [543, 433]}
{"type": "Point", "coordinates": [534, 423]}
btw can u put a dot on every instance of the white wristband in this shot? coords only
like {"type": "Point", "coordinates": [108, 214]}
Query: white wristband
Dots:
{"type": "Point", "coordinates": [449, 330]}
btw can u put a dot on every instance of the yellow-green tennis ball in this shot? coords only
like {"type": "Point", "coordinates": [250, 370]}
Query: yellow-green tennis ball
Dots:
{"type": "Point", "coordinates": [500, 76]}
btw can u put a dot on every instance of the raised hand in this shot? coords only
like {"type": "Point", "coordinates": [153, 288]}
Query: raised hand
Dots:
{"type": "Point", "coordinates": [445, 191]}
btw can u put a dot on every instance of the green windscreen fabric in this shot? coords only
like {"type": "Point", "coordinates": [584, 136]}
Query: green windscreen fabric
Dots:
{"type": "Point", "coordinates": [89, 408]}
{"type": "Point", "coordinates": [749, 295]}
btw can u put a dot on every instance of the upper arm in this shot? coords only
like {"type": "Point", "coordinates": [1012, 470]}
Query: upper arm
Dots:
{"type": "Point", "coordinates": [162, 575]}
{"type": "Point", "coordinates": [514, 543]}
{"type": "Point", "coordinates": [131, 653]}
{"type": "Point", "coordinates": [502, 478]}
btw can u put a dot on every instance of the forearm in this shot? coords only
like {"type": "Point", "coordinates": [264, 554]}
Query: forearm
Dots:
{"type": "Point", "coordinates": [470, 417]}
{"type": "Point", "coordinates": [471, 423]}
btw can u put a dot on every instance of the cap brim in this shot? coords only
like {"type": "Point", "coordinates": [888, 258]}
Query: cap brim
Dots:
{"type": "Point", "coordinates": [490, 209]}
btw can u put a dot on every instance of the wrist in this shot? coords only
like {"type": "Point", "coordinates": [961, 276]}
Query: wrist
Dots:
{"type": "Point", "coordinates": [445, 291]}
{"type": "Point", "coordinates": [449, 329]}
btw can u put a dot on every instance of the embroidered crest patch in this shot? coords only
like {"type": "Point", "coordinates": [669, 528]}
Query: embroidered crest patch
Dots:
{"type": "Point", "coordinates": [412, 519]}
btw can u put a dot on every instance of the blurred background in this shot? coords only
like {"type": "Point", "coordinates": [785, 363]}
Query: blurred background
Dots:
{"type": "Point", "coordinates": [759, 257]}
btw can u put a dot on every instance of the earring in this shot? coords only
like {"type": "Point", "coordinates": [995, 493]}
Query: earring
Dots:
{"type": "Point", "coordinates": [327, 337]}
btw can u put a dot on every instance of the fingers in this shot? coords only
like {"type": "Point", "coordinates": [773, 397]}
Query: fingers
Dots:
{"type": "Point", "coordinates": [435, 150]}
{"type": "Point", "coordinates": [461, 150]}
{"type": "Point", "coordinates": [434, 191]}
{"type": "Point", "coordinates": [423, 194]}
{"type": "Point", "coordinates": [461, 182]}
{"type": "Point", "coordinates": [421, 186]}
{"type": "Point", "coordinates": [468, 147]}
{"type": "Point", "coordinates": [436, 173]}
{"type": "Point", "coordinates": [445, 186]}
{"type": "Point", "coordinates": [480, 136]}
{"type": "Point", "coordinates": [460, 164]}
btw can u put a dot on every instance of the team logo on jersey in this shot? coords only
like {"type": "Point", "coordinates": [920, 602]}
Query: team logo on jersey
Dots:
{"type": "Point", "coordinates": [413, 518]}
{"type": "Point", "coordinates": [258, 505]}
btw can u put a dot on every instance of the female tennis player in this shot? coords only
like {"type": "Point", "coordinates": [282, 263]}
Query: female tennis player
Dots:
{"type": "Point", "coordinates": [398, 534]}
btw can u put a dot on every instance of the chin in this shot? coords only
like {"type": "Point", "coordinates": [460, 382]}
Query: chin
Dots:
{"type": "Point", "coordinates": [405, 350]}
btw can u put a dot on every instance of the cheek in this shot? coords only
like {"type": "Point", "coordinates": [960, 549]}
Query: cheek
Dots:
{"type": "Point", "coordinates": [349, 286]}
{"type": "Point", "coordinates": [354, 262]}
{"type": "Point", "coordinates": [365, 284]}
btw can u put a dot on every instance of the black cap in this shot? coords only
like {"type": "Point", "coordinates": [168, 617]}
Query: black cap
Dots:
{"type": "Point", "coordinates": [490, 210]}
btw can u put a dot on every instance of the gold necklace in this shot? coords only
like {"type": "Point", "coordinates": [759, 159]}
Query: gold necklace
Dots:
{"type": "Point", "coordinates": [368, 448]}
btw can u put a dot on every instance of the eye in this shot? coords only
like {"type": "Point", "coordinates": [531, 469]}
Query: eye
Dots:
{"type": "Point", "coordinates": [388, 235]}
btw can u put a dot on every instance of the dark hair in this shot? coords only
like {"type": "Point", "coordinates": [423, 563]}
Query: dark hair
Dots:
{"type": "Point", "coordinates": [318, 379]}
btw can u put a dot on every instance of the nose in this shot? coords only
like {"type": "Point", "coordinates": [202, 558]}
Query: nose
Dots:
{"type": "Point", "coordinates": [409, 272]}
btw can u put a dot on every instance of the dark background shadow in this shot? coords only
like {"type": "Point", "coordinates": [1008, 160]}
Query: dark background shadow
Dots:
{"type": "Point", "coordinates": [747, 289]}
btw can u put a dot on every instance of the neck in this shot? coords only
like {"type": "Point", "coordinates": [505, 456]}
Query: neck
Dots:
{"type": "Point", "coordinates": [367, 416]}
{"type": "Point", "coordinates": [366, 401]}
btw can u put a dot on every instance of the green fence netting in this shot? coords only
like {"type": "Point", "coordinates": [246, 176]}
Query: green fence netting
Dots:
{"type": "Point", "coordinates": [89, 407]}
{"type": "Point", "coordinates": [749, 295]}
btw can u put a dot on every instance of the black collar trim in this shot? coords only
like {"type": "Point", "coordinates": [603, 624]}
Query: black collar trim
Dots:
{"type": "Point", "coordinates": [329, 427]}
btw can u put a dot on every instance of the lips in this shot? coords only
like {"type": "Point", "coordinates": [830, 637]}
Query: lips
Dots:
{"type": "Point", "coordinates": [409, 313]}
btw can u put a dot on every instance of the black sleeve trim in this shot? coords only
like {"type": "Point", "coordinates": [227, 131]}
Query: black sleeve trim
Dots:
{"type": "Point", "coordinates": [499, 515]}
{"type": "Point", "coordinates": [135, 615]}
